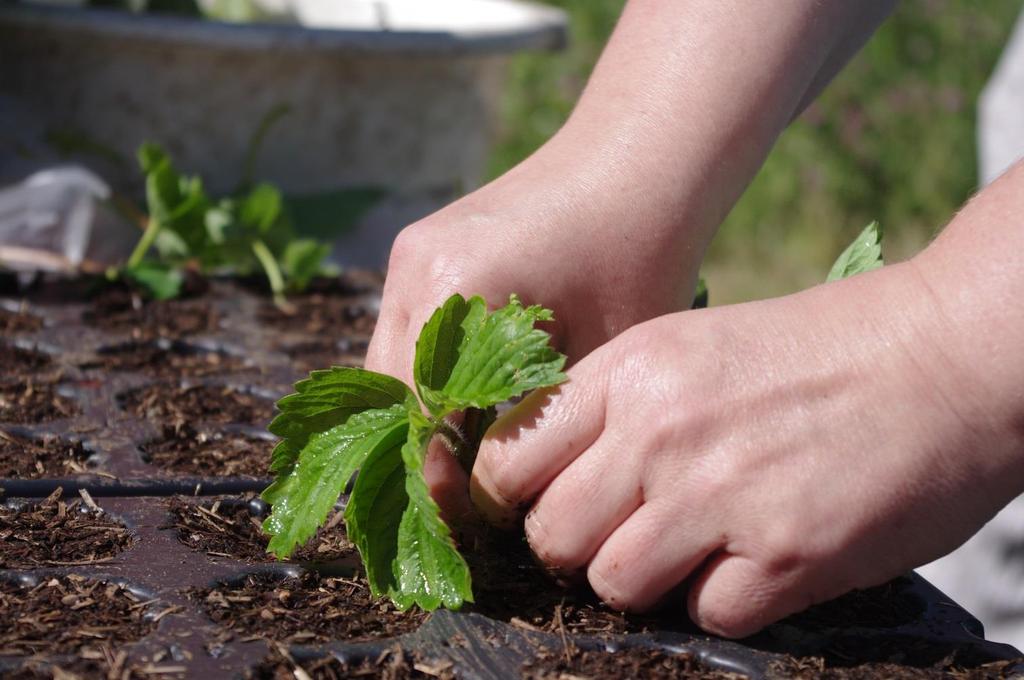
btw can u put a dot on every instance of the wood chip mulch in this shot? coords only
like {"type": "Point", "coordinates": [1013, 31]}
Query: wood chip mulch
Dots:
{"type": "Point", "coordinates": [177, 406]}
{"type": "Point", "coordinates": [304, 609]}
{"type": "Point", "coordinates": [571, 662]}
{"type": "Point", "coordinates": [391, 664]}
{"type": "Point", "coordinates": [184, 450]}
{"type": "Point", "coordinates": [160, 361]}
{"type": "Point", "coordinates": [33, 400]}
{"type": "Point", "coordinates": [231, 530]}
{"type": "Point", "coordinates": [68, 614]}
{"type": "Point", "coordinates": [59, 533]}
{"type": "Point", "coordinates": [26, 458]}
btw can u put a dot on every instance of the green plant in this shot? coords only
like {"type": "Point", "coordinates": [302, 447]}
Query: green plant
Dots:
{"type": "Point", "coordinates": [241, 234]}
{"type": "Point", "coordinates": [342, 421]}
{"type": "Point", "coordinates": [346, 419]}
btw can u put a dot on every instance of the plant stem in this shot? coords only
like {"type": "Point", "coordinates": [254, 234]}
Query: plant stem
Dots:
{"type": "Point", "coordinates": [144, 244]}
{"type": "Point", "coordinates": [269, 264]}
{"type": "Point", "coordinates": [458, 444]}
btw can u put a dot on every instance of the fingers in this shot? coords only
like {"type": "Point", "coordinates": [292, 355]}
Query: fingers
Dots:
{"type": "Point", "coordinates": [652, 552]}
{"type": "Point", "coordinates": [735, 597]}
{"type": "Point", "coordinates": [583, 506]}
{"type": "Point", "coordinates": [532, 443]}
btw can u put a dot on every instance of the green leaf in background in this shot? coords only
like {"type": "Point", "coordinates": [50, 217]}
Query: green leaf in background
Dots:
{"type": "Point", "coordinates": [863, 255]}
{"type": "Point", "coordinates": [261, 208]}
{"type": "Point", "coordinates": [161, 281]}
{"type": "Point", "coordinates": [304, 493]}
{"type": "Point", "coordinates": [431, 572]}
{"type": "Point", "coordinates": [175, 202]}
{"type": "Point", "coordinates": [302, 260]}
{"type": "Point", "coordinates": [500, 356]}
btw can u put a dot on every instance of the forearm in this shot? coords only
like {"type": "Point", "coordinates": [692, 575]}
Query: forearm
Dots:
{"type": "Point", "coordinates": [973, 274]}
{"type": "Point", "coordinates": [684, 105]}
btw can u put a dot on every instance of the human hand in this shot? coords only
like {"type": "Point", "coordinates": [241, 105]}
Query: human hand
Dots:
{"type": "Point", "coordinates": [774, 455]}
{"type": "Point", "coordinates": [551, 237]}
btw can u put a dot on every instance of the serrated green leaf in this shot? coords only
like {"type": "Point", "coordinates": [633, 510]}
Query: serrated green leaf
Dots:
{"type": "Point", "coordinates": [437, 348]}
{"type": "Point", "coordinates": [374, 513]}
{"type": "Point", "coordinates": [302, 260]}
{"type": "Point", "coordinates": [501, 355]}
{"type": "Point", "coordinates": [430, 570]}
{"type": "Point", "coordinates": [328, 398]}
{"type": "Point", "coordinates": [304, 493]}
{"type": "Point", "coordinates": [406, 547]}
{"type": "Point", "coordinates": [863, 255]}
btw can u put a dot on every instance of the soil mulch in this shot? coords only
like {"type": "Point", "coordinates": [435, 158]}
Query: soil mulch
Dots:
{"type": "Point", "coordinates": [18, 322]}
{"type": "Point", "coordinates": [323, 353]}
{"type": "Point", "coordinates": [509, 585]}
{"type": "Point", "coordinates": [304, 609]}
{"type": "Point", "coordinates": [91, 663]}
{"type": "Point", "coordinates": [184, 450]}
{"type": "Point", "coordinates": [28, 400]}
{"type": "Point", "coordinates": [231, 529]}
{"type": "Point", "coordinates": [571, 662]}
{"type": "Point", "coordinates": [122, 310]}
{"type": "Point", "coordinates": [816, 668]}
{"type": "Point", "coordinates": [14, 359]}
{"type": "Point", "coordinates": [211, 403]}
{"type": "Point", "coordinates": [66, 614]}
{"type": "Point", "coordinates": [392, 664]}
{"type": "Point", "coordinates": [26, 458]}
{"type": "Point", "coordinates": [160, 360]}
{"type": "Point", "coordinates": [58, 533]}
{"type": "Point", "coordinates": [319, 314]}
{"type": "Point", "coordinates": [885, 606]}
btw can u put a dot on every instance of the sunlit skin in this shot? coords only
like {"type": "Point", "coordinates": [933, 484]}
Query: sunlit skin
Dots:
{"type": "Point", "coordinates": [768, 455]}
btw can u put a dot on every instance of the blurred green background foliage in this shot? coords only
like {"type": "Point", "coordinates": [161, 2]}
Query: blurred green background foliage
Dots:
{"type": "Point", "coordinates": [892, 139]}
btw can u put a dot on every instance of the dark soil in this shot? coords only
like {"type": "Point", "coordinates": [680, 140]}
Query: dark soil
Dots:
{"type": "Point", "coordinates": [65, 614]}
{"type": "Point", "coordinates": [183, 450]}
{"type": "Point", "coordinates": [232, 529]}
{"type": "Point", "coordinates": [304, 609]}
{"type": "Point", "coordinates": [574, 663]}
{"type": "Point", "coordinates": [323, 353]}
{"type": "Point", "coordinates": [106, 665]}
{"type": "Point", "coordinates": [18, 322]}
{"type": "Point", "coordinates": [26, 458]}
{"type": "Point", "coordinates": [164, 360]}
{"type": "Point", "coordinates": [392, 664]}
{"type": "Point", "coordinates": [509, 585]}
{"type": "Point", "coordinates": [176, 406]}
{"type": "Point", "coordinates": [14, 359]}
{"type": "Point", "coordinates": [28, 400]}
{"type": "Point", "coordinates": [885, 606]}
{"type": "Point", "coordinates": [55, 532]}
{"type": "Point", "coordinates": [317, 314]}
{"type": "Point", "coordinates": [814, 668]}
{"type": "Point", "coordinates": [122, 310]}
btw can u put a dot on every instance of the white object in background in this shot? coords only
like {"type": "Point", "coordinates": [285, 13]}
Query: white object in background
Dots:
{"type": "Point", "coordinates": [1001, 111]}
{"type": "Point", "coordinates": [51, 211]}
